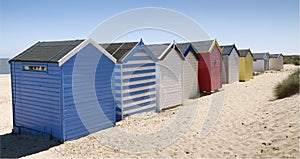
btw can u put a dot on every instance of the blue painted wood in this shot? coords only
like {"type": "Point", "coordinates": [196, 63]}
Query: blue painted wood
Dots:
{"type": "Point", "coordinates": [89, 121]}
{"type": "Point", "coordinates": [190, 49]}
{"type": "Point", "coordinates": [138, 65]}
{"type": "Point", "coordinates": [43, 101]}
{"type": "Point", "coordinates": [36, 100]}
{"type": "Point", "coordinates": [134, 83]}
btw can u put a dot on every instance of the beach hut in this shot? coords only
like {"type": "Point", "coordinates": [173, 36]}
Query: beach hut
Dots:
{"type": "Point", "coordinates": [170, 74]}
{"type": "Point", "coordinates": [209, 65]}
{"type": "Point", "coordinates": [190, 72]}
{"type": "Point", "coordinates": [246, 65]}
{"type": "Point", "coordinates": [260, 62]}
{"type": "Point", "coordinates": [230, 60]}
{"type": "Point", "coordinates": [276, 62]}
{"type": "Point", "coordinates": [62, 89]}
{"type": "Point", "coordinates": [134, 78]}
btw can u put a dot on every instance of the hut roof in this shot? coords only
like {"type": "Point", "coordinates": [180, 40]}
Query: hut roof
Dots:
{"type": "Point", "coordinates": [203, 46]}
{"type": "Point", "coordinates": [162, 50]}
{"type": "Point", "coordinates": [51, 51]}
{"type": "Point", "coordinates": [260, 55]}
{"type": "Point", "coordinates": [275, 55]}
{"type": "Point", "coordinates": [158, 49]}
{"type": "Point", "coordinates": [227, 49]}
{"type": "Point", "coordinates": [244, 52]}
{"type": "Point", "coordinates": [183, 46]}
{"type": "Point", "coordinates": [119, 50]}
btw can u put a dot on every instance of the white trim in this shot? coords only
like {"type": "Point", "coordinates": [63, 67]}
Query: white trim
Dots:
{"type": "Point", "coordinates": [172, 46]}
{"type": "Point", "coordinates": [166, 51]}
{"type": "Point", "coordinates": [122, 59]}
{"type": "Point", "coordinates": [139, 61]}
{"type": "Point", "coordinates": [81, 46]}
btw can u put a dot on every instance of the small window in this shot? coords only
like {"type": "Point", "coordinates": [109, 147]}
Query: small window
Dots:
{"type": "Point", "coordinates": [35, 68]}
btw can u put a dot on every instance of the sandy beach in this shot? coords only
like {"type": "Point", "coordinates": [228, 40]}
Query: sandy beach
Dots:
{"type": "Point", "coordinates": [242, 120]}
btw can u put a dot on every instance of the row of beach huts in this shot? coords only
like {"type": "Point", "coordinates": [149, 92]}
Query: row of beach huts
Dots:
{"type": "Point", "coordinates": [67, 89]}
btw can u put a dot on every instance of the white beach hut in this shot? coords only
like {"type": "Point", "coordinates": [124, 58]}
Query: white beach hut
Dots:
{"type": "Point", "coordinates": [260, 62]}
{"type": "Point", "coordinates": [276, 62]}
{"type": "Point", "coordinates": [169, 75]}
{"type": "Point", "coordinates": [190, 71]}
{"type": "Point", "coordinates": [230, 58]}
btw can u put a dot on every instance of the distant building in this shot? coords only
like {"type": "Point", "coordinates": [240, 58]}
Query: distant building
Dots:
{"type": "Point", "coordinates": [230, 58]}
{"type": "Point", "coordinates": [209, 65]}
{"type": "Point", "coordinates": [276, 62]}
{"type": "Point", "coordinates": [260, 62]}
{"type": "Point", "coordinates": [170, 72]}
{"type": "Point", "coordinates": [246, 65]}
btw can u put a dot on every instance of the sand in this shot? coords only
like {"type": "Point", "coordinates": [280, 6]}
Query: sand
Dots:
{"type": "Point", "coordinates": [241, 120]}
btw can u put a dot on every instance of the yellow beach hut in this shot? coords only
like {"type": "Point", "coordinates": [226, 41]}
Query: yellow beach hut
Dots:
{"type": "Point", "coordinates": [246, 64]}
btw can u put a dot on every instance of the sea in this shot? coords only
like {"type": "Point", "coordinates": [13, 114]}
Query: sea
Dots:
{"type": "Point", "coordinates": [4, 66]}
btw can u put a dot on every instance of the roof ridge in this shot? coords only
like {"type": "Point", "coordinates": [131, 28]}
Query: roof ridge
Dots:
{"type": "Point", "coordinates": [60, 51]}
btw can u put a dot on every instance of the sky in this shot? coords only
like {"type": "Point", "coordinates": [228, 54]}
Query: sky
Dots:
{"type": "Point", "coordinates": [261, 25]}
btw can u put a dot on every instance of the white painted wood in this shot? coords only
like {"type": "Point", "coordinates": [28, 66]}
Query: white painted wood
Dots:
{"type": "Point", "coordinates": [171, 68]}
{"type": "Point", "coordinates": [233, 67]}
{"type": "Point", "coordinates": [190, 77]}
{"type": "Point", "coordinates": [230, 68]}
{"type": "Point", "coordinates": [138, 82]}
{"type": "Point", "coordinates": [140, 108]}
{"type": "Point", "coordinates": [276, 63]}
{"type": "Point", "coordinates": [259, 65]}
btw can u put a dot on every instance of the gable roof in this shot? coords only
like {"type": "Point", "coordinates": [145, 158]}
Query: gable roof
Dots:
{"type": "Point", "coordinates": [162, 50]}
{"type": "Point", "coordinates": [51, 51]}
{"type": "Point", "coordinates": [244, 52]}
{"type": "Point", "coordinates": [158, 49]}
{"type": "Point", "coordinates": [185, 48]}
{"type": "Point", "coordinates": [206, 46]}
{"type": "Point", "coordinates": [227, 49]}
{"type": "Point", "coordinates": [56, 51]}
{"type": "Point", "coordinates": [203, 46]}
{"type": "Point", "coordinates": [257, 56]}
{"type": "Point", "coordinates": [275, 55]}
{"type": "Point", "coordinates": [121, 51]}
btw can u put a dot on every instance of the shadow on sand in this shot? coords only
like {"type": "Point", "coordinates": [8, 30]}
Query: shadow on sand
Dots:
{"type": "Point", "coordinates": [15, 146]}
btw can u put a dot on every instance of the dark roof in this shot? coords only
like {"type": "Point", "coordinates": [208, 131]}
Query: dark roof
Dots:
{"type": "Point", "coordinates": [183, 46]}
{"type": "Point", "coordinates": [259, 55]}
{"type": "Point", "coordinates": [275, 55]}
{"type": "Point", "coordinates": [243, 53]}
{"type": "Point", "coordinates": [119, 50]}
{"type": "Point", "coordinates": [50, 52]}
{"type": "Point", "coordinates": [227, 49]}
{"type": "Point", "coordinates": [202, 46]}
{"type": "Point", "coordinates": [158, 49]}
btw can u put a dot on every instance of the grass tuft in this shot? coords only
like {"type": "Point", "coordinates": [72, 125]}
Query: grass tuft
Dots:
{"type": "Point", "coordinates": [288, 86]}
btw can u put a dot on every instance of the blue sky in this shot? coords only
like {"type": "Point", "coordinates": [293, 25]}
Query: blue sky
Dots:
{"type": "Point", "coordinates": [262, 25]}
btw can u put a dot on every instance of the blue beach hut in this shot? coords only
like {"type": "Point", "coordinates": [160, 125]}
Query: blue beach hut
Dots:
{"type": "Point", "coordinates": [135, 80]}
{"type": "Point", "coordinates": [62, 89]}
